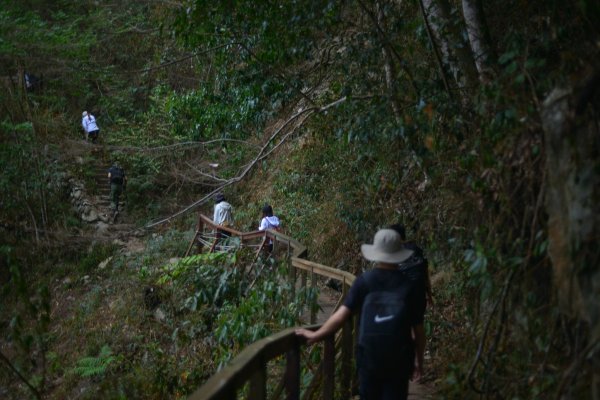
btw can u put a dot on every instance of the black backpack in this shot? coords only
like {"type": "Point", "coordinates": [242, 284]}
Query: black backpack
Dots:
{"type": "Point", "coordinates": [415, 267]}
{"type": "Point", "coordinates": [385, 346]}
{"type": "Point", "coordinates": [116, 175]}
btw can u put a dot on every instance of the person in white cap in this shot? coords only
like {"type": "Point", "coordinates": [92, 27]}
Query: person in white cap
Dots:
{"type": "Point", "coordinates": [88, 122]}
{"type": "Point", "coordinates": [391, 338]}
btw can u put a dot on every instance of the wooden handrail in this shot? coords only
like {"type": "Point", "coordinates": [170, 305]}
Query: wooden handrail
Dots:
{"type": "Point", "coordinates": [250, 366]}
{"type": "Point", "coordinates": [299, 249]}
{"type": "Point", "coordinates": [245, 365]}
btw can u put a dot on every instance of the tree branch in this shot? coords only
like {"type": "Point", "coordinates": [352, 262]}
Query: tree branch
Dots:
{"type": "Point", "coordinates": [10, 366]}
{"type": "Point", "coordinates": [386, 42]}
{"type": "Point", "coordinates": [262, 154]}
{"type": "Point", "coordinates": [198, 53]}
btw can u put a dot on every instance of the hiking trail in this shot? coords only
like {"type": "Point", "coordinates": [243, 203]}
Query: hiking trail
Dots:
{"type": "Point", "coordinates": [90, 197]}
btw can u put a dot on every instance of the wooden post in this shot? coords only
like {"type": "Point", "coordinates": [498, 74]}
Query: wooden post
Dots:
{"type": "Point", "coordinates": [303, 279]}
{"type": "Point", "coordinates": [292, 271]}
{"type": "Point", "coordinates": [292, 373]}
{"type": "Point", "coordinates": [217, 239]}
{"type": "Point", "coordinates": [199, 231]}
{"type": "Point", "coordinates": [275, 244]}
{"type": "Point", "coordinates": [258, 384]}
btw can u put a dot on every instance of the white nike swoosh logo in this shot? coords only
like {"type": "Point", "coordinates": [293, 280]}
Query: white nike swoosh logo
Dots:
{"type": "Point", "coordinates": [379, 319]}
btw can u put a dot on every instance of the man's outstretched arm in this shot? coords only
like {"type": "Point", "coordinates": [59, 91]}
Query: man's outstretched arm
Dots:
{"type": "Point", "coordinates": [329, 327]}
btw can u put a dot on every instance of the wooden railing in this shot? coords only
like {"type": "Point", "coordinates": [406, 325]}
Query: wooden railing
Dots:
{"type": "Point", "coordinates": [248, 372]}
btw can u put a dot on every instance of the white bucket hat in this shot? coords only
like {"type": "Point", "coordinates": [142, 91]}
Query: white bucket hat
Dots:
{"type": "Point", "coordinates": [84, 114]}
{"type": "Point", "coordinates": [387, 247]}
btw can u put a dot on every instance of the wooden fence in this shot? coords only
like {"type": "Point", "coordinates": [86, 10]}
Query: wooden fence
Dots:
{"type": "Point", "coordinates": [248, 372]}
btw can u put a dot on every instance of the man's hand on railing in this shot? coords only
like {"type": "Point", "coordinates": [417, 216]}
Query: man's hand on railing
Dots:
{"type": "Point", "coordinates": [330, 326]}
{"type": "Point", "coordinates": [311, 336]}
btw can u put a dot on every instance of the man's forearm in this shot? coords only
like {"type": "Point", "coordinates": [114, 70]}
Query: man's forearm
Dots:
{"type": "Point", "coordinates": [329, 327]}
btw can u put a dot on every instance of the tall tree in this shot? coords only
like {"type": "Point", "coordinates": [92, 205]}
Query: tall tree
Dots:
{"type": "Point", "coordinates": [572, 139]}
{"type": "Point", "coordinates": [456, 53]}
{"type": "Point", "coordinates": [478, 37]}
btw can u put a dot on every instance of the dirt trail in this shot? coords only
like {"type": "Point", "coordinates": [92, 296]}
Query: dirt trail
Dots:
{"type": "Point", "coordinates": [95, 193]}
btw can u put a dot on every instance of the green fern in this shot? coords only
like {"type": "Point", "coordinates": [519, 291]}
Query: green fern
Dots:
{"type": "Point", "coordinates": [95, 366]}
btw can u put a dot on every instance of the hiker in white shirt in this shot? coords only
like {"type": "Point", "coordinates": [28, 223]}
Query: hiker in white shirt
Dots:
{"type": "Point", "coordinates": [88, 122]}
{"type": "Point", "coordinates": [222, 215]}
{"type": "Point", "coordinates": [269, 221]}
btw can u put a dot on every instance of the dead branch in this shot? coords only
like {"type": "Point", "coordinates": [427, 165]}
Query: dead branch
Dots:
{"type": "Point", "coordinates": [262, 154]}
{"type": "Point", "coordinates": [174, 146]}
{"type": "Point", "coordinates": [163, 65]}
{"type": "Point", "coordinates": [575, 367]}
{"type": "Point", "coordinates": [11, 367]}
{"type": "Point", "coordinates": [202, 173]}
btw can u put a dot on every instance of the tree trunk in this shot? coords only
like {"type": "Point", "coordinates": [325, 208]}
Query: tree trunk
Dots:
{"type": "Point", "coordinates": [389, 69]}
{"type": "Point", "coordinates": [434, 48]}
{"type": "Point", "coordinates": [476, 28]}
{"type": "Point", "coordinates": [572, 144]}
{"type": "Point", "coordinates": [455, 51]}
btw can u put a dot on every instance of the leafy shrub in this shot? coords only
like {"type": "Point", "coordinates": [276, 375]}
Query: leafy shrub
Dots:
{"type": "Point", "coordinates": [96, 366]}
{"type": "Point", "coordinates": [216, 298]}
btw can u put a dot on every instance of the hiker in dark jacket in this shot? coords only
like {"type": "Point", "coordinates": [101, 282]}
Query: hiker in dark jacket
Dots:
{"type": "Point", "coordinates": [118, 182]}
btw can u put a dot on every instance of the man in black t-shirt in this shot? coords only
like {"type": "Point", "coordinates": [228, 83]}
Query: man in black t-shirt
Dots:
{"type": "Point", "coordinates": [390, 383]}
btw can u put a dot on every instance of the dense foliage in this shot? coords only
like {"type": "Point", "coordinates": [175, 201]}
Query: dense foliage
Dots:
{"type": "Point", "coordinates": [346, 116]}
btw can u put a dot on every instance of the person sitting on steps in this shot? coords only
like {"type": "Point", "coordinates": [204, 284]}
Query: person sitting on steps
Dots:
{"type": "Point", "coordinates": [118, 182]}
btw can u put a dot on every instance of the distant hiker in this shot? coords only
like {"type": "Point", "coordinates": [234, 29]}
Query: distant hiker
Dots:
{"type": "Point", "coordinates": [32, 82]}
{"type": "Point", "coordinates": [269, 221]}
{"type": "Point", "coordinates": [417, 266]}
{"type": "Point", "coordinates": [88, 122]}
{"type": "Point", "coordinates": [391, 339]}
{"type": "Point", "coordinates": [118, 182]}
{"type": "Point", "coordinates": [222, 215]}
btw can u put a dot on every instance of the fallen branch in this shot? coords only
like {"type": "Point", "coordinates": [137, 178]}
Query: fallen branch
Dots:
{"type": "Point", "coordinates": [170, 147]}
{"type": "Point", "coordinates": [11, 367]}
{"type": "Point", "coordinates": [262, 154]}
